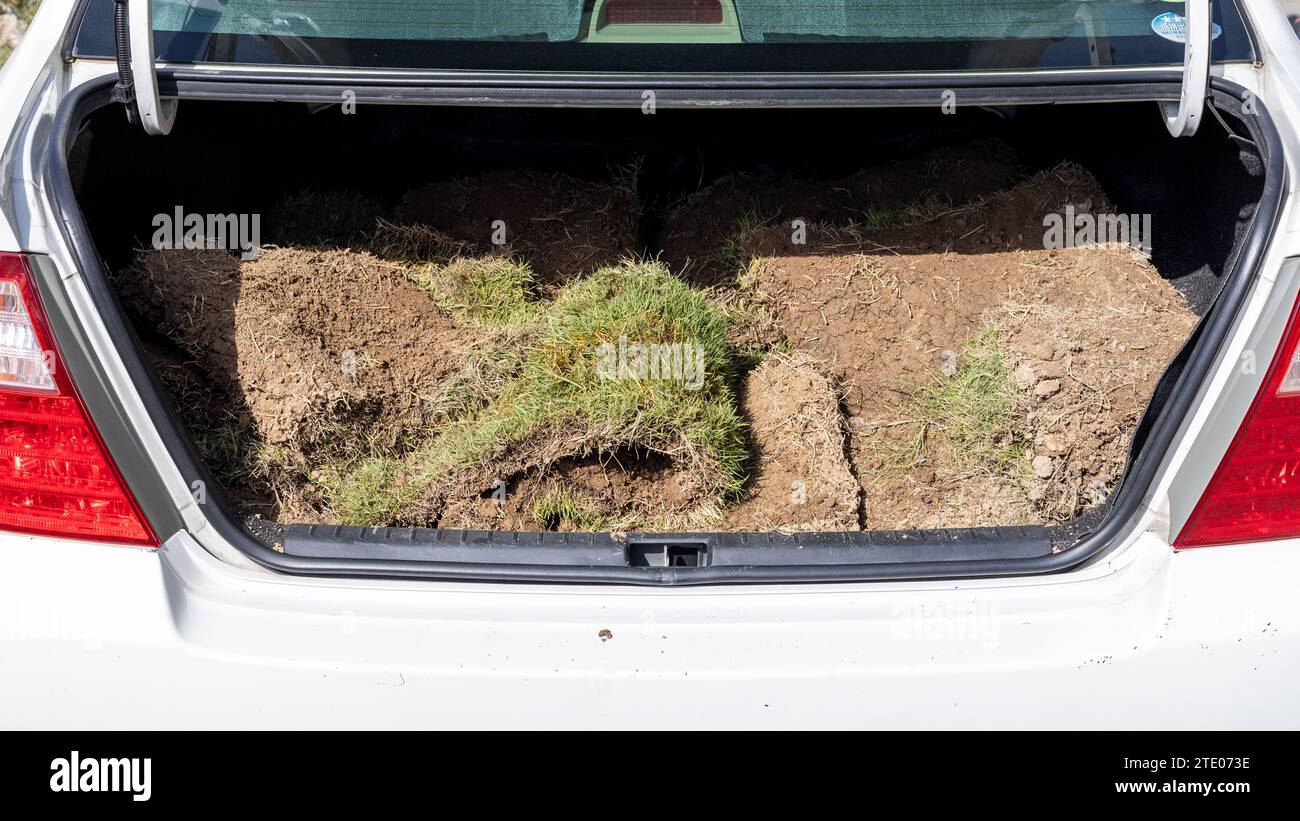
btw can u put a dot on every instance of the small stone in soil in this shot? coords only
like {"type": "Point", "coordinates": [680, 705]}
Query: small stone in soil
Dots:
{"type": "Point", "coordinates": [1053, 444]}
{"type": "Point", "coordinates": [1024, 375]}
{"type": "Point", "coordinates": [1096, 492]}
{"type": "Point", "coordinates": [1043, 467]}
{"type": "Point", "coordinates": [1050, 370]}
{"type": "Point", "coordinates": [1040, 349]}
{"type": "Point", "coordinates": [1047, 388]}
{"type": "Point", "coordinates": [948, 363]}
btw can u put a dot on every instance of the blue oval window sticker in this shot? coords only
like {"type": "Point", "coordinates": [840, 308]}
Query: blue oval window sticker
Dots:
{"type": "Point", "coordinates": [1172, 26]}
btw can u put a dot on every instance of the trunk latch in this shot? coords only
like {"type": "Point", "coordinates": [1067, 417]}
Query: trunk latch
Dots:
{"type": "Point", "coordinates": [663, 553]}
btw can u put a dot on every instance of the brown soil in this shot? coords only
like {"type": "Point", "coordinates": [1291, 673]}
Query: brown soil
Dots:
{"type": "Point", "coordinates": [623, 491]}
{"type": "Point", "coordinates": [315, 354]}
{"type": "Point", "coordinates": [312, 352]}
{"type": "Point", "coordinates": [563, 226]}
{"type": "Point", "coordinates": [1088, 330]}
{"type": "Point", "coordinates": [800, 478]}
{"type": "Point", "coordinates": [696, 230]}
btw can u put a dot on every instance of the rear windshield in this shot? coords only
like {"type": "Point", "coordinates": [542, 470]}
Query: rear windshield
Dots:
{"type": "Point", "coordinates": [672, 35]}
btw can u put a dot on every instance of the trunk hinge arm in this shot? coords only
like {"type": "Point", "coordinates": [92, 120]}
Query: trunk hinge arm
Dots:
{"type": "Point", "coordinates": [1183, 118]}
{"type": "Point", "coordinates": [133, 38]}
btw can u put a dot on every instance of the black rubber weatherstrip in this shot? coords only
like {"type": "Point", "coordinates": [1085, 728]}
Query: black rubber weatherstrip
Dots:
{"type": "Point", "coordinates": [728, 557]}
{"type": "Point", "coordinates": [190, 77]}
{"type": "Point", "coordinates": [671, 97]}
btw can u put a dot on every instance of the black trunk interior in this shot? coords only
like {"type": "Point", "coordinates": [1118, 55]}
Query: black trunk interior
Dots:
{"type": "Point", "coordinates": [228, 157]}
{"type": "Point", "coordinates": [248, 157]}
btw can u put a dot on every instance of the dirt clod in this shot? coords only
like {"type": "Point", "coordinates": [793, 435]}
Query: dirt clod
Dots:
{"type": "Point", "coordinates": [305, 355]}
{"type": "Point", "coordinates": [701, 236]}
{"type": "Point", "coordinates": [563, 227]}
{"type": "Point", "coordinates": [602, 492]}
{"type": "Point", "coordinates": [1046, 388]}
{"type": "Point", "coordinates": [1082, 332]}
{"type": "Point", "coordinates": [800, 478]}
{"type": "Point", "coordinates": [1043, 467]}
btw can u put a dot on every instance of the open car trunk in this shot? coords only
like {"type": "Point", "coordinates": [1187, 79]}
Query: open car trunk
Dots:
{"type": "Point", "coordinates": [928, 329]}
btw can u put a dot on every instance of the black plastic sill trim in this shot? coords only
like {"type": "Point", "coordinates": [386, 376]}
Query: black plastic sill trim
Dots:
{"type": "Point", "coordinates": [730, 557]}
{"type": "Point", "coordinates": [718, 550]}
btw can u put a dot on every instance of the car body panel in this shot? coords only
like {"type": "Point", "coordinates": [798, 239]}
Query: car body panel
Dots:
{"type": "Point", "coordinates": [194, 634]}
{"type": "Point", "coordinates": [128, 638]}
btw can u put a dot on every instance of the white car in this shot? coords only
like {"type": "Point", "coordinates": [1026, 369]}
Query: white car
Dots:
{"type": "Point", "coordinates": [134, 594]}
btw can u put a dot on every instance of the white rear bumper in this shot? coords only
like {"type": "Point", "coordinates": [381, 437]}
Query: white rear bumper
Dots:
{"type": "Point", "coordinates": [99, 636]}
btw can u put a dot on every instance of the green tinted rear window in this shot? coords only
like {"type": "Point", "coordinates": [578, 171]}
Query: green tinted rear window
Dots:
{"type": "Point", "coordinates": [668, 35]}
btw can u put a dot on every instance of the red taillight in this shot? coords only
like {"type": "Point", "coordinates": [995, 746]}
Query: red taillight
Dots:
{"type": "Point", "coordinates": [618, 12]}
{"type": "Point", "coordinates": [56, 477]}
{"type": "Point", "coordinates": [1255, 493]}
